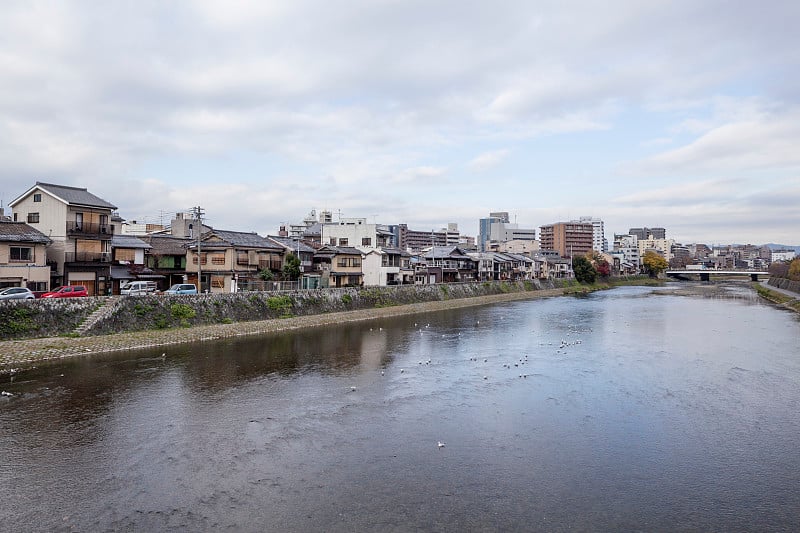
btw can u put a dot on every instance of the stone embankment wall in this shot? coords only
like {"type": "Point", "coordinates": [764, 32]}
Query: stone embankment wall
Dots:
{"type": "Point", "coordinates": [44, 318]}
{"type": "Point", "coordinates": [785, 283]}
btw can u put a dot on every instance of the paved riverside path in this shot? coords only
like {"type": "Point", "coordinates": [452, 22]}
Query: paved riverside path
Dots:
{"type": "Point", "coordinates": [30, 351]}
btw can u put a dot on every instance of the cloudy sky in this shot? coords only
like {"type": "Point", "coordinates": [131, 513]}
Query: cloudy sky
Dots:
{"type": "Point", "coordinates": [681, 114]}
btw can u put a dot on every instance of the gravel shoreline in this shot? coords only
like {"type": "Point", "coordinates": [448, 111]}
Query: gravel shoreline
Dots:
{"type": "Point", "coordinates": [18, 353]}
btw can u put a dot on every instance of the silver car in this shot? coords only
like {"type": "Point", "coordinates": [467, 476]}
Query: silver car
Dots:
{"type": "Point", "coordinates": [16, 293]}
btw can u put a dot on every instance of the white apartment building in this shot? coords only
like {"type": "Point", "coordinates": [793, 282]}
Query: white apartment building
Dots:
{"type": "Point", "coordinates": [782, 255]}
{"type": "Point", "coordinates": [599, 242]}
{"type": "Point", "coordinates": [662, 246]}
{"type": "Point", "coordinates": [628, 246]}
{"type": "Point", "coordinates": [356, 232]}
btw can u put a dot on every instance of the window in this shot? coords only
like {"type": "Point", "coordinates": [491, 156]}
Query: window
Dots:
{"type": "Point", "coordinates": [21, 254]}
{"type": "Point", "coordinates": [366, 241]}
{"type": "Point", "coordinates": [37, 197]}
{"type": "Point", "coordinates": [15, 217]}
{"type": "Point", "coordinates": [218, 282]}
{"type": "Point", "coordinates": [125, 254]}
{"type": "Point", "coordinates": [218, 259]}
{"type": "Point", "coordinates": [203, 258]}
{"type": "Point", "coordinates": [33, 218]}
{"type": "Point", "coordinates": [342, 242]}
{"type": "Point", "coordinates": [333, 241]}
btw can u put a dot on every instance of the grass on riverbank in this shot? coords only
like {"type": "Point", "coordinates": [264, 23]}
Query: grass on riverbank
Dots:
{"type": "Point", "coordinates": [573, 287]}
{"type": "Point", "coordinates": [777, 297]}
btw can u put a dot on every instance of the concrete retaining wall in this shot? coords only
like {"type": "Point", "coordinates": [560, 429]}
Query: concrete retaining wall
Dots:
{"type": "Point", "coordinates": [785, 283]}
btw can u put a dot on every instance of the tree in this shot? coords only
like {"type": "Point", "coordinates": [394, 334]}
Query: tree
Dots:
{"type": "Point", "coordinates": [291, 268]}
{"type": "Point", "coordinates": [265, 274]}
{"type": "Point", "coordinates": [779, 269]}
{"type": "Point", "coordinates": [603, 268]}
{"type": "Point", "coordinates": [794, 270]}
{"type": "Point", "coordinates": [583, 269]}
{"type": "Point", "coordinates": [653, 263]}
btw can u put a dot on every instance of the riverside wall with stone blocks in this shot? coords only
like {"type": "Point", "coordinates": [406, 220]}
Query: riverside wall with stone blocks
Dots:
{"type": "Point", "coordinates": [22, 319]}
{"type": "Point", "coordinates": [44, 317]}
{"type": "Point", "coordinates": [785, 284]}
{"type": "Point", "coordinates": [167, 311]}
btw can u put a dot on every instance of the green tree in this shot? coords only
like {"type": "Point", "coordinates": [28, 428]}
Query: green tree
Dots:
{"type": "Point", "coordinates": [583, 269]}
{"type": "Point", "coordinates": [291, 268]}
{"type": "Point", "coordinates": [653, 263]}
{"type": "Point", "coordinates": [265, 274]}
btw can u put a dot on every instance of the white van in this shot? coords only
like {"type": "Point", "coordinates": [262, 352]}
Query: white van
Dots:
{"type": "Point", "coordinates": [136, 288]}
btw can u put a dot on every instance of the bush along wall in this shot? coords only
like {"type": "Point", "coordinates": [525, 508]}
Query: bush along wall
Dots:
{"type": "Point", "coordinates": [163, 311]}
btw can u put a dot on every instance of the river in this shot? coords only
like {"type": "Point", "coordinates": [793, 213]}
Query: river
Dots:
{"type": "Point", "coordinates": [630, 409]}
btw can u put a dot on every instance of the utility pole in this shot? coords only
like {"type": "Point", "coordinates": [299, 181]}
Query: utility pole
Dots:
{"type": "Point", "coordinates": [198, 215]}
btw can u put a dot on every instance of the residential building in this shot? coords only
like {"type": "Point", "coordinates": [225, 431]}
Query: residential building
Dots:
{"type": "Point", "coordinates": [416, 241]}
{"type": "Point", "coordinates": [627, 248]}
{"type": "Point", "coordinates": [599, 242]}
{"type": "Point", "coordinates": [643, 234]}
{"type": "Point", "coordinates": [516, 246]}
{"type": "Point", "coordinates": [309, 279]}
{"type": "Point", "coordinates": [782, 254]}
{"type": "Point", "coordinates": [567, 238]}
{"type": "Point", "coordinates": [356, 232]}
{"type": "Point", "coordinates": [387, 266]}
{"type": "Point", "coordinates": [78, 225]}
{"type": "Point", "coordinates": [23, 257]}
{"type": "Point", "coordinates": [229, 260]}
{"type": "Point", "coordinates": [128, 261]}
{"type": "Point", "coordinates": [662, 246]}
{"type": "Point", "coordinates": [339, 266]}
{"type": "Point", "coordinates": [446, 264]}
{"type": "Point", "coordinates": [166, 258]}
{"type": "Point", "coordinates": [498, 229]}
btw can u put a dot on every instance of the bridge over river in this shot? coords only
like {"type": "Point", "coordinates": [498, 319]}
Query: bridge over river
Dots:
{"type": "Point", "coordinates": [705, 274]}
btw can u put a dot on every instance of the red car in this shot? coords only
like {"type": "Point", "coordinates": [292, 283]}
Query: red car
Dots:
{"type": "Point", "coordinates": [66, 292]}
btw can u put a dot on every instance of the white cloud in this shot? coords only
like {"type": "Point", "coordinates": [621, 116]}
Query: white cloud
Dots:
{"type": "Point", "coordinates": [488, 160]}
{"type": "Point", "coordinates": [382, 102]}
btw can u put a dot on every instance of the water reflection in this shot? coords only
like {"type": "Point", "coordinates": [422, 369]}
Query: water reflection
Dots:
{"type": "Point", "coordinates": [620, 410]}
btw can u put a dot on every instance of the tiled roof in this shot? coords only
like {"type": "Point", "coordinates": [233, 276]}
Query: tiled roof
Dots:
{"type": "Point", "coordinates": [242, 239]}
{"type": "Point", "coordinates": [21, 232]}
{"type": "Point", "coordinates": [128, 241]}
{"type": "Point", "coordinates": [291, 244]}
{"type": "Point", "coordinates": [75, 195]}
{"type": "Point", "coordinates": [167, 244]}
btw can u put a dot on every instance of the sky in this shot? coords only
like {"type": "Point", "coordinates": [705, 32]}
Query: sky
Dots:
{"type": "Point", "coordinates": [676, 114]}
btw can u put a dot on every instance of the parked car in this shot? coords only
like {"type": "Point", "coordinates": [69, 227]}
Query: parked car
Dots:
{"type": "Point", "coordinates": [136, 288]}
{"type": "Point", "coordinates": [182, 288]}
{"type": "Point", "coordinates": [16, 293]}
{"type": "Point", "coordinates": [66, 291]}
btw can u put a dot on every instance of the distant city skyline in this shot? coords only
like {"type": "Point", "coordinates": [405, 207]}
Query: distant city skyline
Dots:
{"type": "Point", "coordinates": [680, 115]}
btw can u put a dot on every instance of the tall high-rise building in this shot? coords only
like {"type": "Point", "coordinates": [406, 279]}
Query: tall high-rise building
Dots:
{"type": "Point", "coordinates": [599, 242]}
{"type": "Point", "coordinates": [567, 238]}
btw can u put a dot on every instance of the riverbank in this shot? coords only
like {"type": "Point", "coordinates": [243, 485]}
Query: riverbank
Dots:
{"type": "Point", "coordinates": [26, 352]}
{"type": "Point", "coordinates": [16, 353]}
{"type": "Point", "coordinates": [781, 297]}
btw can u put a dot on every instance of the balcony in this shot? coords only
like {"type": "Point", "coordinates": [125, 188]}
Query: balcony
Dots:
{"type": "Point", "coordinates": [90, 230]}
{"type": "Point", "coordinates": [87, 257]}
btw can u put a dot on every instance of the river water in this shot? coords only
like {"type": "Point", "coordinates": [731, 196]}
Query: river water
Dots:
{"type": "Point", "coordinates": [630, 409]}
